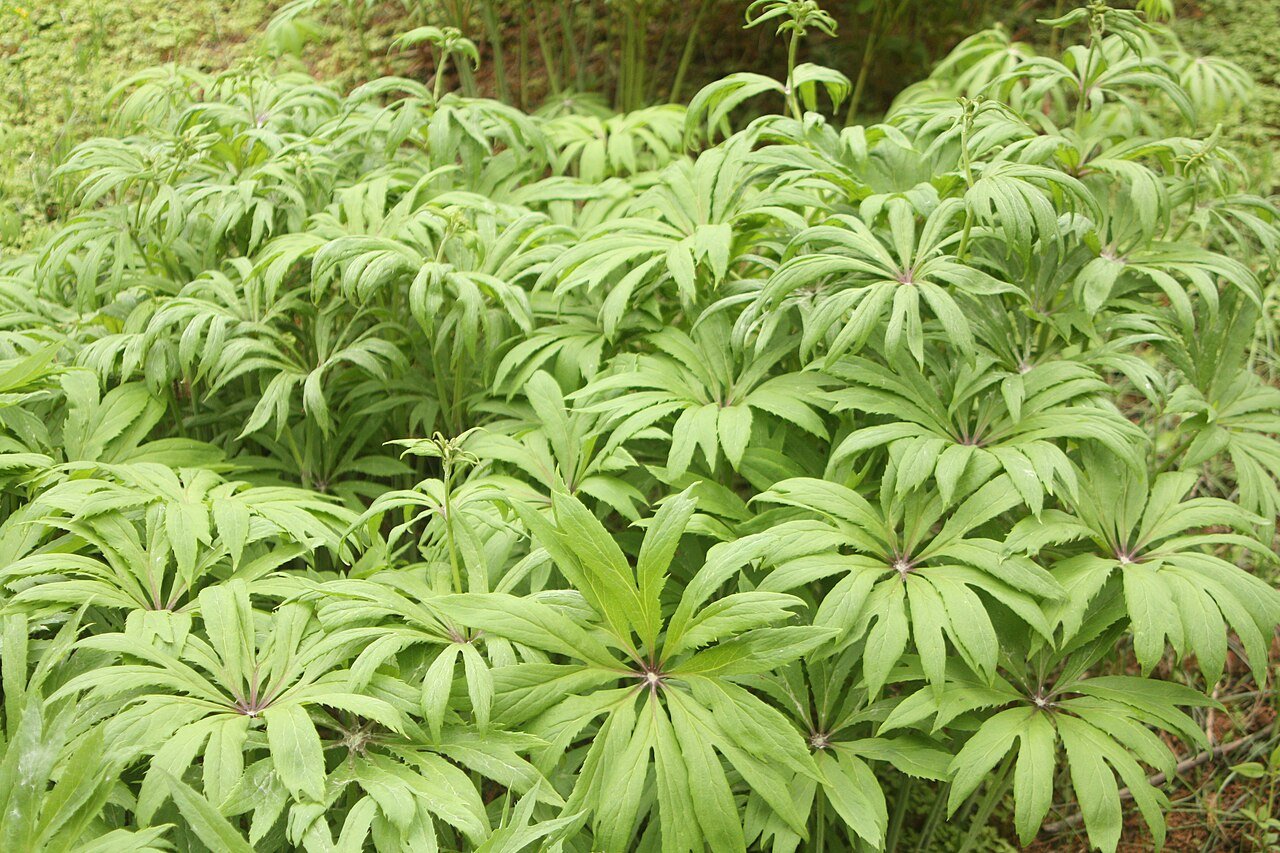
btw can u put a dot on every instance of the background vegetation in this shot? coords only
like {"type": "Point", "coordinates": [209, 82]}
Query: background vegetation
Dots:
{"type": "Point", "coordinates": [60, 58]}
{"type": "Point", "coordinates": [1243, 32]}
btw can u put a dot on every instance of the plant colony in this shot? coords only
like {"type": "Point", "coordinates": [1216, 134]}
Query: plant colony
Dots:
{"type": "Point", "coordinates": [764, 483]}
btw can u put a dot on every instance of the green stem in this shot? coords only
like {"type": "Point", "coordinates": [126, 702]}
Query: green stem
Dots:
{"type": "Point", "coordinates": [1042, 336]}
{"type": "Point", "coordinates": [820, 831]}
{"type": "Point", "coordinates": [966, 123]}
{"type": "Point", "coordinates": [963, 251]}
{"type": "Point", "coordinates": [304, 475]}
{"type": "Point", "coordinates": [584, 55]}
{"type": "Point", "coordinates": [637, 95]}
{"type": "Point", "coordinates": [495, 44]}
{"type": "Point", "coordinates": [630, 91]}
{"type": "Point", "coordinates": [1195, 200]}
{"type": "Point", "coordinates": [448, 526]}
{"type": "Point", "coordinates": [466, 76]}
{"type": "Point", "coordinates": [661, 60]}
{"type": "Point", "coordinates": [572, 61]}
{"type": "Point", "coordinates": [455, 404]}
{"type": "Point", "coordinates": [899, 815]}
{"type": "Point", "coordinates": [868, 53]}
{"type": "Point", "coordinates": [793, 103]}
{"type": "Point", "coordinates": [1053, 36]}
{"type": "Point", "coordinates": [1179, 449]}
{"type": "Point", "coordinates": [522, 63]}
{"type": "Point", "coordinates": [686, 57]}
{"type": "Point", "coordinates": [437, 88]}
{"type": "Point", "coordinates": [994, 793]}
{"type": "Point", "coordinates": [548, 61]}
{"type": "Point", "coordinates": [358, 21]}
{"type": "Point", "coordinates": [935, 817]}
{"type": "Point", "coordinates": [624, 53]}
{"type": "Point", "coordinates": [467, 79]}
{"type": "Point", "coordinates": [1085, 75]}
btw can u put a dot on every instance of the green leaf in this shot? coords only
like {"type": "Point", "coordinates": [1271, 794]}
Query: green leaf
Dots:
{"type": "Point", "coordinates": [983, 751]}
{"type": "Point", "coordinates": [855, 794]}
{"type": "Point", "coordinates": [1094, 785]}
{"type": "Point", "coordinates": [1033, 776]}
{"type": "Point", "coordinates": [209, 826]}
{"type": "Point", "coordinates": [295, 751]}
{"type": "Point", "coordinates": [659, 547]}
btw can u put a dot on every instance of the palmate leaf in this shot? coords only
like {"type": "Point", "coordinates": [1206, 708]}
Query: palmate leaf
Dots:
{"type": "Point", "coordinates": [211, 690]}
{"type": "Point", "coordinates": [712, 104]}
{"type": "Point", "coordinates": [827, 702]}
{"type": "Point", "coordinates": [1017, 198]}
{"type": "Point", "coordinates": [390, 614]}
{"type": "Point", "coordinates": [900, 584]}
{"type": "Point", "coordinates": [714, 391]}
{"type": "Point", "coordinates": [1238, 420]}
{"type": "Point", "coordinates": [709, 111]}
{"type": "Point", "coordinates": [683, 237]}
{"type": "Point", "coordinates": [945, 422]}
{"type": "Point", "coordinates": [684, 695]}
{"type": "Point", "coordinates": [970, 67]}
{"type": "Point", "coordinates": [1152, 539]}
{"type": "Point", "coordinates": [556, 448]}
{"type": "Point", "coordinates": [401, 796]}
{"type": "Point", "coordinates": [1102, 725]}
{"type": "Point", "coordinates": [880, 282]}
{"type": "Point", "coordinates": [1164, 266]}
{"type": "Point", "coordinates": [595, 148]}
{"type": "Point", "coordinates": [151, 537]}
{"type": "Point", "coordinates": [57, 771]}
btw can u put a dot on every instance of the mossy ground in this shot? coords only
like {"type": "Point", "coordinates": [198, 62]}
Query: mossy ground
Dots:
{"type": "Point", "coordinates": [58, 60]}
{"type": "Point", "coordinates": [1246, 32]}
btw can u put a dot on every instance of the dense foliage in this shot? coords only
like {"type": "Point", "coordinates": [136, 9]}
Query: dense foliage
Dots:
{"type": "Point", "coordinates": [400, 471]}
{"type": "Point", "coordinates": [59, 58]}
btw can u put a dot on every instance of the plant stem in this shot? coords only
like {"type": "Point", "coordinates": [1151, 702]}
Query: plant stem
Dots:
{"type": "Point", "coordinates": [793, 103]}
{"type": "Point", "coordinates": [548, 61]}
{"type": "Point", "coordinates": [966, 159]}
{"type": "Point", "coordinates": [358, 21]}
{"type": "Point", "coordinates": [963, 251]}
{"type": "Point", "coordinates": [584, 56]}
{"type": "Point", "coordinates": [569, 54]}
{"type": "Point", "coordinates": [868, 53]}
{"type": "Point", "coordinates": [1085, 75]}
{"type": "Point", "coordinates": [1195, 200]}
{"type": "Point", "coordinates": [466, 77]}
{"type": "Point", "coordinates": [820, 831]}
{"type": "Point", "coordinates": [448, 525]}
{"type": "Point", "coordinates": [995, 792]}
{"type": "Point", "coordinates": [522, 63]}
{"type": "Point", "coordinates": [641, 40]}
{"type": "Point", "coordinates": [1053, 34]}
{"type": "Point", "coordinates": [686, 57]}
{"type": "Point", "coordinates": [437, 88]}
{"type": "Point", "coordinates": [495, 44]}
{"type": "Point", "coordinates": [936, 812]}
{"type": "Point", "coordinates": [899, 815]}
{"type": "Point", "coordinates": [624, 57]}
{"type": "Point", "coordinates": [661, 60]}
